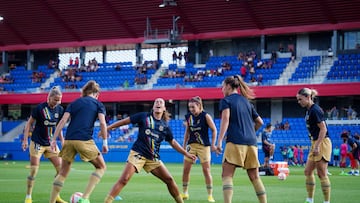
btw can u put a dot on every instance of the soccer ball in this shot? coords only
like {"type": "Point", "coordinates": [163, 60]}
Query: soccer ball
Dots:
{"type": "Point", "coordinates": [282, 176]}
{"type": "Point", "coordinates": [75, 197]}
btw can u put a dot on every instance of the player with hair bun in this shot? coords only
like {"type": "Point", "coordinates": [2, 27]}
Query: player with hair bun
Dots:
{"type": "Point", "coordinates": [320, 151]}
{"type": "Point", "coordinates": [197, 142]}
{"type": "Point", "coordinates": [239, 121]}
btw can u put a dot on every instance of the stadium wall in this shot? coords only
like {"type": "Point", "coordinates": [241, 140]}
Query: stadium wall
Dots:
{"type": "Point", "coordinates": [118, 152]}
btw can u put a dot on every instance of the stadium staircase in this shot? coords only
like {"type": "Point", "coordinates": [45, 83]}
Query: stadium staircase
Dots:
{"type": "Point", "coordinates": [286, 75]}
{"type": "Point", "coordinates": [48, 81]}
{"type": "Point", "coordinates": [14, 133]}
{"type": "Point", "coordinates": [154, 78]}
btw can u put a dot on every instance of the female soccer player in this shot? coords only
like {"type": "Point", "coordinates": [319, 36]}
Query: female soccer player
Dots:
{"type": "Point", "coordinates": [45, 116]}
{"type": "Point", "coordinates": [196, 141]}
{"type": "Point", "coordinates": [83, 113]}
{"type": "Point", "coordinates": [267, 145]}
{"type": "Point", "coordinates": [239, 121]}
{"type": "Point", "coordinates": [153, 129]}
{"type": "Point", "coordinates": [320, 151]}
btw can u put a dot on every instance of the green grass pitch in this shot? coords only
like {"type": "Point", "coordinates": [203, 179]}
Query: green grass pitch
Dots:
{"type": "Point", "coordinates": [145, 187]}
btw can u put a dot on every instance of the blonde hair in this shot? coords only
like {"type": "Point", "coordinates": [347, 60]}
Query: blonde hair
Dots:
{"type": "Point", "coordinates": [236, 82]}
{"type": "Point", "coordinates": [197, 100]}
{"type": "Point", "coordinates": [308, 92]}
{"type": "Point", "coordinates": [54, 91]}
{"type": "Point", "coordinates": [91, 87]}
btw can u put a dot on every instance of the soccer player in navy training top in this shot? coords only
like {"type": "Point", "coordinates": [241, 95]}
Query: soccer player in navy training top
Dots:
{"type": "Point", "coordinates": [45, 116]}
{"type": "Point", "coordinates": [320, 151]}
{"type": "Point", "coordinates": [239, 121]}
{"type": "Point", "coordinates": [197, 142]}
{"type": "Point", "coordinates": [153, 129]}
{"type": "Point", "coordinates": [82, 113]}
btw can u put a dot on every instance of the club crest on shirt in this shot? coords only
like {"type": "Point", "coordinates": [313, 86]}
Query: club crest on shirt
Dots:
{"type": "Point", "coordinates": [56, 115]}
{"type": "Point", "coordinates": [161, 128]}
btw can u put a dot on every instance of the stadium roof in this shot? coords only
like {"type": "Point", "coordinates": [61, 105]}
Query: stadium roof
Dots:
{"type": "Point", "coordinates": [56, 23]}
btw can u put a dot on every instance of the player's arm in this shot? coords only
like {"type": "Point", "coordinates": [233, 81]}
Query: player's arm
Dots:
{"type": "Point", "coordinates": [174, 144]}
{"type": "Point", "coordinates": [27, 128]}
{"type": "Point", "coordinates": [212, 126]}
{"type": "Point", "coordinates": [186, 136]}
{"type": "Point", "coordinates": [119, 123]}
{"type": "Point", "coordinates": [322, 134]}
{"type": "Point", "coordinates": [103, 130]}
{"type": "Point", "coordinates": [225, 116]}
{"type": "Point", "coordinates": [59, 128]}
{"type": "Point", "coordinates": [258, 123]}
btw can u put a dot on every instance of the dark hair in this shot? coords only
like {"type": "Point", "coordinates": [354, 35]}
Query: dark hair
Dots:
{"type": "Point", "coordinates": [236, 82]}
{"type": "Point", "coordinates": [268, 125]}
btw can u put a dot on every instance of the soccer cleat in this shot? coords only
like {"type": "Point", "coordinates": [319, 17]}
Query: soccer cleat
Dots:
{"type": "Point", "coordinates": [329, 174]}
{"type": "Point", "coordinates": [185, 196]}
{"type": "Point", "coordinates": [59, 200]}
{"type": "Point", "coordinates": [82, 200]}
{"type": "Point", "coordinates": [211, 198]}
{"type": "Point", "coordinates": [28, 200]}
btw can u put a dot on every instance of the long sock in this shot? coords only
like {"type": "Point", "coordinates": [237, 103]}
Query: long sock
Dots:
{"type": "Point", "coordinates": [185, 187]}
{"type": "Point", "coordinates": [31, 180]}
{"type": "Point", "coordinates": [57, 185]}
{"type": "Point", "coordinates": [179, 199]}
{"type": "Point", "coordinates": [109, 199]}
{"type": "Point", "coordinates": [326, 187]}
{"type": "Point", "coordinates": [227, 189]}
{"type": "Point", "coordinates": [209, 189]}
{"type": "Point", "coordinates": [260, 190]}
{"type": "Point", "coordinates": [94, 179]}
{"type": "Point", "coordinates": [310, 186]}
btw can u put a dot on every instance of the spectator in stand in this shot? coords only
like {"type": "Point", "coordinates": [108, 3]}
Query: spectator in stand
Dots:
{"type": "Point", "coordinates": [273, 56]}
{"type": "Point", "coordinates": [180, 57]}
{"type": "Point", "coordinates": [77, 61]}
{"type": "Point", "coordinates": [334, 113]}
{"type": "Point", "coordinates": [71, 62]}
{"type": "Point", "coordinates": [350, 112]}
{"type": "Point", "coordinates": [243, 71]}
{"type": "Point", "coordinates": [330, 52]}
{"type": "Point", "coordinates": [286, 125]}
{"type": "Point", "coordinates": [174, 57]}
{"type": "Point", "coordinates": [186, 56]}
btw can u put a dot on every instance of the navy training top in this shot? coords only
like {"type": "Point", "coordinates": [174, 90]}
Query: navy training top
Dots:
{"type": "Point", "coordinates": [151, 133]}
{"type": "Point", "coordinates": [84, 112]}
{"type": "Point", "coordinates": [46, 121]}
{"type": "Point", "coordinates": [314, 116]}
{"type": "Point", "coordinates": [241, 128]}
{"type": "Point", "coordinates": [198, 128]}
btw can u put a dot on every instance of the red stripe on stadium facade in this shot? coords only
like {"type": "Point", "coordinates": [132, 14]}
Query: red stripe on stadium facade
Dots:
{"type": "Point", "coordinates": [340, 89]}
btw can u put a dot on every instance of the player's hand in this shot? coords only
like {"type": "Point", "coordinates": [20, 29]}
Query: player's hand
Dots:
{"type": "Point", "coordinates": [191, 156]}
{"type": "Point", "coordinates": [53, 145]}
{"type": "Point", "coordinates": [105, 149]}
{"type": "Point", "coordinates": [24, 145]}
{"type": "Point", "coordinates": [213, 148]}
{"type": "Point", "coordinates": [219, 149]}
